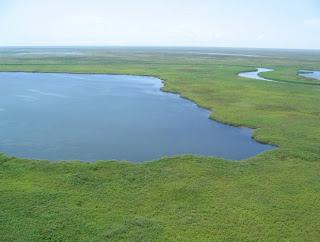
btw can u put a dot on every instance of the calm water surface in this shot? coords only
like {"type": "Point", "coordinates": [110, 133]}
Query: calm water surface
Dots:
{"type": "Point", "coordinates": [255, 74]}
{"type": "Point", "coordinates": [310, 74]}
{"type": "Point", "coordinates": [104, 117]}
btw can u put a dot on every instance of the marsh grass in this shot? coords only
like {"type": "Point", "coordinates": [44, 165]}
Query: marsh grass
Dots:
{"type": "Point", "coordinates": [271, 197]}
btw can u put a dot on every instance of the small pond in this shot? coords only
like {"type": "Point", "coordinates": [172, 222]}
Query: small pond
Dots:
{"type": "Point", "coordinates": [91, 117]}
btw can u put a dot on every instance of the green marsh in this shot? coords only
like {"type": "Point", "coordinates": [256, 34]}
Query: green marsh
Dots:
{"type": "Point", "coordinates": [271, 197]}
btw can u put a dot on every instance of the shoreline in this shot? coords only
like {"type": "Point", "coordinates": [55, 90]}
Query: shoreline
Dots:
{"type": "Point", "coordinates": [162, 89]}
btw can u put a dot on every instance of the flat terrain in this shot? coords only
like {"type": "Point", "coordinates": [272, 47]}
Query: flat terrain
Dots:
{"type": "Point", "coordinates": [271, 197]}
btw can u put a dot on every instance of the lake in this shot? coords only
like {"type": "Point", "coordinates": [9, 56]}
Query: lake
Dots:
{"type": "Point", "coordinates": [90, 117]}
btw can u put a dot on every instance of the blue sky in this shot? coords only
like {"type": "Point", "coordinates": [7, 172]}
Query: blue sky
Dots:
{"type": "Point", "coordinates": [241, 23]}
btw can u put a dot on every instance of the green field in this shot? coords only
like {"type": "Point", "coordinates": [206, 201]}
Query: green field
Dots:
{"type": "Point", "coordinates": [274, 196]}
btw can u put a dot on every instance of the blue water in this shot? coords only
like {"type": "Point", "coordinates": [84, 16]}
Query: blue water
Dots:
{"type": "Point", "coordinates": [109, 117]}
{"type": "Point", "coordinates": [310, 74]}
{"type": "Point", "coordinates": [255, 74]}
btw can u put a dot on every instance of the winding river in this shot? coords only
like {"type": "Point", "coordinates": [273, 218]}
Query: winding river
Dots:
{"type": "Point", "coordinates": [255, 74]}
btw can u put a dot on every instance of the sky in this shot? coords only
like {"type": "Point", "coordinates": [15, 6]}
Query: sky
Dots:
{"type": "Point", "coordinates": [291, 24]}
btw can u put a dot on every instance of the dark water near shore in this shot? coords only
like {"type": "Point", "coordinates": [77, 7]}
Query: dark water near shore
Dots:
{"type": "Point", "coordinates": [104, 117]}
{"type": "Point", "coordinates": [310, 74]}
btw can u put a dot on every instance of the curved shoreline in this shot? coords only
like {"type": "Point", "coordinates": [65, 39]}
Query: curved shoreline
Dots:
{"type": "Point", "coordinates": [309, 74]}
{"type": "Point", "coordinates": [163, 82]}
{"type": "Point", "coordinates": [256, 74]}
{"type": "Point", "coordinates": [240, 74]}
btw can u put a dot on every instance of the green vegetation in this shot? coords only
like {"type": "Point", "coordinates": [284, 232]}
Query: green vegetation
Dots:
{"type": "Point", "coordinates": [271, 197]}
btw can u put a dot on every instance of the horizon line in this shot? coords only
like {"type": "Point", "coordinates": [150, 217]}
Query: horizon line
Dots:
{"type": "Point", "coordinates": [154, 46]}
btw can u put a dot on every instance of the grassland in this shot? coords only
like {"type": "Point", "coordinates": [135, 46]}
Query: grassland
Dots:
{"type": "Point", "coordinates": [271, 197]}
